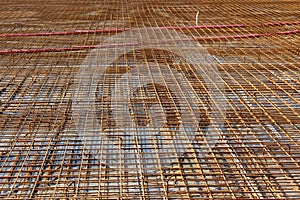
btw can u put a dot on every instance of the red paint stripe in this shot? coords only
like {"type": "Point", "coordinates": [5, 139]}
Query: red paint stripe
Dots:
{"type": "Point", "coordinates": [118, 30]}
{"type": "Point", "coordinates": [78, 48]}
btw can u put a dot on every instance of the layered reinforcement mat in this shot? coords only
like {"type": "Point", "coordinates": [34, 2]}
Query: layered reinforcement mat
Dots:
{"type": "Point", "coordinates": [149, 99]}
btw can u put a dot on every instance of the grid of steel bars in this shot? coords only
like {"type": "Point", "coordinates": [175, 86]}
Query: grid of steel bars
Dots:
{"type": "Point", "coordinates": [152, 141]}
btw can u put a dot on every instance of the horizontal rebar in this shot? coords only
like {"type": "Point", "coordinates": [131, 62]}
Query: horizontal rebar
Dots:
{"type": "Point", "coordinates": [78, 48]}
{"type": "Point", "coordinates": [118, 30]}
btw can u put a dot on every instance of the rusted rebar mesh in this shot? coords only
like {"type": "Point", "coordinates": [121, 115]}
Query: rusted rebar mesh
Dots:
{"type": "Point", "coordinates": [73, 125]}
